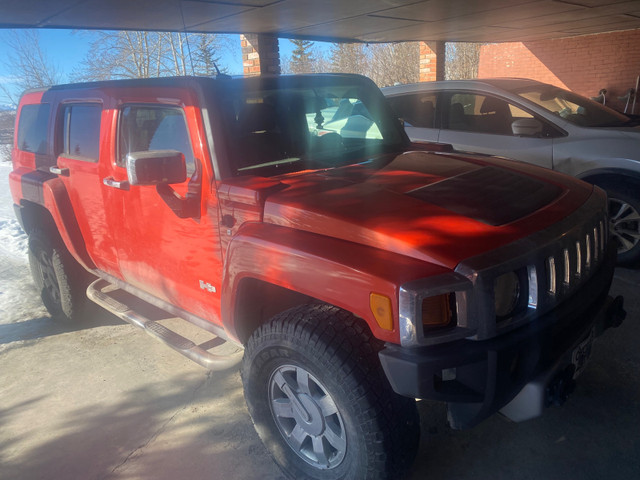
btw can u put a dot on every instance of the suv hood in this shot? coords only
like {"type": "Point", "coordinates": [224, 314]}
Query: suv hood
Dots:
{"type": "Point", "coordinates": [433, 207]}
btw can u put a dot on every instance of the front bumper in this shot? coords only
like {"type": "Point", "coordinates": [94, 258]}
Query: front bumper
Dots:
{"type": "Point", "coordinates": [478, 378]}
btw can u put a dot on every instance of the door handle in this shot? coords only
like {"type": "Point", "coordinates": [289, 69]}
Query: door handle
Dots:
{"type": "Point", "coordinates": [110, 182]}
{"type": "Point", "coordinates": [59, 171]}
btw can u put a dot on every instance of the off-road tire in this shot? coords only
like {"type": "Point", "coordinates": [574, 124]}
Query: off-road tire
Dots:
{"type": "Point", "coordinates": [60, 280]}
{"type": "Point", "coordinates": [624, 225]}
{"type": "Point", "coordinates": [380, 429]}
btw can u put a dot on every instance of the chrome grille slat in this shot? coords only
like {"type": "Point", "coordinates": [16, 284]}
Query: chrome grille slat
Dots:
{"type": "Point", "coordinates": [554, 264]}
{"type": "Point", "coordinates": [533, 286]}
{"type": "Point", "coordinates": [551, 271]}
{"type": "Point", "coordinates": [578, 259]}
{"type": "Point", "coordinates": [567, 268]}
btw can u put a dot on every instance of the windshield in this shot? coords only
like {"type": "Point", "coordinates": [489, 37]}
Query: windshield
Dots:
{"type": "Point", "coordinates": [573, 108]}
{"type": "Point", "coordinates": [300, 124]}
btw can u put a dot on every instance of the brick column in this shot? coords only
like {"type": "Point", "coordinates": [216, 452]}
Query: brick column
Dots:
{"type": "Point", "coordinates": [260, 54]}
{"type": "Point", "coordinates": [431, 61]}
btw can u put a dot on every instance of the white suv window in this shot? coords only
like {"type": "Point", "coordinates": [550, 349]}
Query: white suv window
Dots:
{"type": "Point", "coordinates": [471, 112]}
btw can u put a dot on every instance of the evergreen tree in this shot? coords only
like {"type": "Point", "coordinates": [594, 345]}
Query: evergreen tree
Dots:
{"type": "Point", "coordinates": [350, 58]}
{"type": "Point", "coordinates": [205, 58]}
{"type": "Point", "coordinates": [302, 60]}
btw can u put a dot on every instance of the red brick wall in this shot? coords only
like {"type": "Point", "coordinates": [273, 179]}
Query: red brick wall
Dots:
{"type": "Point", "coordinates": [431, 61]}
{"type": "Point", "coordinates": [583, 64]}
{"type": "Point", "coordinates": [260, 54]}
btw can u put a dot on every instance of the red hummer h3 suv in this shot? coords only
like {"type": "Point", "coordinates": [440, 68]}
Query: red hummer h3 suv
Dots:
{"type": "Point", "coordinates": [293, 217]}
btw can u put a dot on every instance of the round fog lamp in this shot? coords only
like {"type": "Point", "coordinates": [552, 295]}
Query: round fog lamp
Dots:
{"type": "Point", "coordinates": [506, 289]}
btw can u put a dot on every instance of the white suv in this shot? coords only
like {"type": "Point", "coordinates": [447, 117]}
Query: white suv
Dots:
{"type": "Point", "coordinates": [536, 123]}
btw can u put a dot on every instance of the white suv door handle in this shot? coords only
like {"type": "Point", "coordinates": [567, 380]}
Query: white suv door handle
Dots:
{"type": "Point", "coordinates": [110, 182]}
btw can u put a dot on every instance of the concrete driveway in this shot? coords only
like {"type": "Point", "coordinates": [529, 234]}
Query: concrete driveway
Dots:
{"type": "Point", "coordinates": [103, 400]}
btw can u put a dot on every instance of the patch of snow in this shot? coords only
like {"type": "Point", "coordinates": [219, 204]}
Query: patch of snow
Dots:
{"type": "Point", "coordinates": [13, 240]}
{"type": "Point", "coordinates": [19, 300]}
{"type": "Point", "coordinates": [5, 153]}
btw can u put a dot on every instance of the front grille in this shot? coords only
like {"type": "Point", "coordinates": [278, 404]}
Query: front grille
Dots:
{"type": "Point", "coordinates": [551, 266]}
{"type": "Point", "coordinates": [573, 259]}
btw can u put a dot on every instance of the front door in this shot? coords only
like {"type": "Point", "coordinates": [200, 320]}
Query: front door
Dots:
{"type": "Point", "coordinates": [163, 249]}
{"type": "Point", "coordinates": [482, 123]}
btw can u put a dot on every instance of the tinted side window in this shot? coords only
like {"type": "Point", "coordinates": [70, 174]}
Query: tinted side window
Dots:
{"type": "Point", "coordinates": [32, 128]}
{"type": "Point", "coordinates": [417, 110]}
{"type": "Point", "coordinates": [149, 128]}
{"type": "Point", "coordinates": [479, 113]}
{"type": "Point", "coordinates": [81, 131]}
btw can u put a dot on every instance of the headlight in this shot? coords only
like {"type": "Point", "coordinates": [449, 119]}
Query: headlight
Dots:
{"type": "Point", "coordinates": [438, 311]}
{"type": "Point", "coordinates": [507, 293]}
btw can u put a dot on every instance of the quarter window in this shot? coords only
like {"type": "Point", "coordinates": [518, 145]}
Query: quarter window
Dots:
{"type": "Point", "coordinates": [149, 128]}
{"type": "Point", "coordinates": [32, 128]}
{"type": "Point", "coordinates": [81, 131]}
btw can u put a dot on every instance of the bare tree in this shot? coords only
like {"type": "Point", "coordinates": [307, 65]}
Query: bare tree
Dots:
{"type": "Point", "coordinates": [393, 63]}
{"type": "Point", "coordinates": [140, 54]}
{"type": "Point", "coordinates": [28, 62]}
{"type": "Point", "coordinates": [461, 60]}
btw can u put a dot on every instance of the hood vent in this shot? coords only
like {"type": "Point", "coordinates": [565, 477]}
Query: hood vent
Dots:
{"type": "Point", "coordinates": [494, 196]}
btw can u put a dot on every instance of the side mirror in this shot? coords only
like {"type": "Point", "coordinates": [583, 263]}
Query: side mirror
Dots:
{"type": "Point", "coordinates": [526, 127]}
{"type": "Point", "coordinates": [156, 167]}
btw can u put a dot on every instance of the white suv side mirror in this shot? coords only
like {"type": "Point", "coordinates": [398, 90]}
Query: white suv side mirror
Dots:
{"type": "Point", "coordinates": [526, 127]}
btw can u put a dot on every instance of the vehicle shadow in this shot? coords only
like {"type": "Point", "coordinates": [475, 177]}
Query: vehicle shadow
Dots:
{"type": "Point", "coordinates": [41, 327]}
{"type": "Point", "coordinates": [194, 426]}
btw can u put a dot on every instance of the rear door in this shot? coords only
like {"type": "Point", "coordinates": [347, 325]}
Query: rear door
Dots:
{"type": "Point", "coordinates": [481, 123]}
{"type": "Point", "coordinates": [81, 158]}
{"type": "Point", "coordinates": [418, 113]}
{"type": "Point", "coordinates": [173, 256]}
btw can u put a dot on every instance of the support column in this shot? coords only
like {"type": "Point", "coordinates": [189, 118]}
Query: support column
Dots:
{"type": "Point", "coordinates": [432, 61]}
{"type": "Point", "coordinates": [260, 54]}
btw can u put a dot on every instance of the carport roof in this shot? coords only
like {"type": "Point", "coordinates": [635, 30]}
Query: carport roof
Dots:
{"type": "Point", "coordinates": [360, 20]}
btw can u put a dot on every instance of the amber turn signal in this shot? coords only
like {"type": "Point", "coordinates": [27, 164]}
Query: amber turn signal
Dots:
{"type": "Point", "coordinates": [381, 308]}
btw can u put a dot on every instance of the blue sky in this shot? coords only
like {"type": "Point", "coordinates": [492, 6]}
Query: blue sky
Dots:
{"type": "Point", "coordinates": [67, 49]}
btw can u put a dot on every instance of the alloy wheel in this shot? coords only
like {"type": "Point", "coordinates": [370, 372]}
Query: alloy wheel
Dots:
{"type": "Point", "coordinates": [307, 417]}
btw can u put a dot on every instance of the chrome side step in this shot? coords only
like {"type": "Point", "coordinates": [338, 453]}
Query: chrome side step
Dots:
{"type": "Point", "coordinates": [104, 294]}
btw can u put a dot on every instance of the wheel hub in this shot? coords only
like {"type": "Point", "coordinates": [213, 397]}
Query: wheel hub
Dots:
{"type": "Point", "coordinates": [310, 418]}
{"type": "Point", "coordinates": [307, 417]}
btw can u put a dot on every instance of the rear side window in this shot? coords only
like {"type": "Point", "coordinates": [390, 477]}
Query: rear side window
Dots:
{"type": "Point", "coordinates": [146, 128]}
{"type": "Point", "coordinates": [81, 131]}
{"type": "Point", "coordinates": [32, 128]}
{"type": "Point", "coordinates": [416, 110]}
